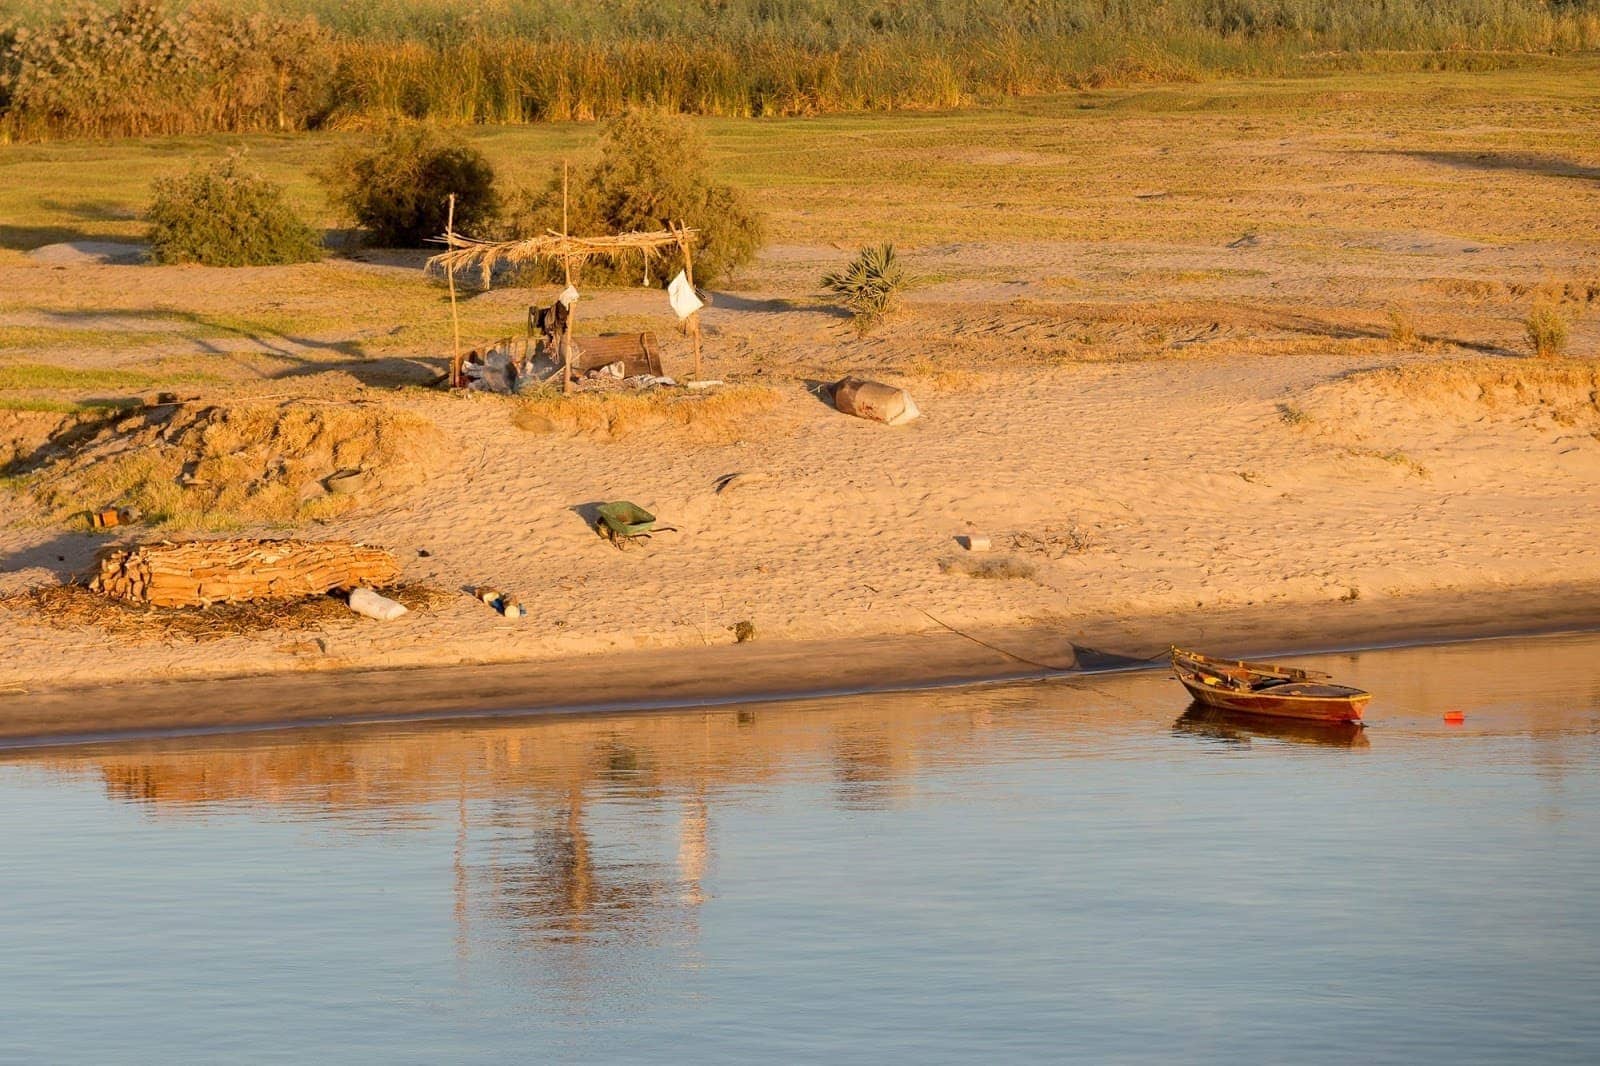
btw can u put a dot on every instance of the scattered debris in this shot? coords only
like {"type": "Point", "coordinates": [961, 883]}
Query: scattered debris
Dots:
{"type": "Point", "coordinates": [366, 602]}
{"type": "Point", "coordinates": [975, 543]}
{"type": "Point", "coordinates": [631, 359]}
{"type": "Point", "coordinates": [115, 516]}
{"type": "Point", "coordinates": [509, 606]}
{"type": "Point", "coordinates": [1056, 543]}
{"type": "Point", "coordinates": [494, 370]}
{"type": "Point", "coordinates": [198, 573]}
{"type": "Point", "coordinates": [875, 401]}
{"type": "Point", "coordinates": [712, 384]}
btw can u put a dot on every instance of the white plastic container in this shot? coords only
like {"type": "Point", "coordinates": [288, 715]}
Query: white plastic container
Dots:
{"type": "Point", "coordinates": [369, 603]}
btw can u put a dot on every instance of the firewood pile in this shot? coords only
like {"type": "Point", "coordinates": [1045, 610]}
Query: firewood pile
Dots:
{"type": "Point", "coordinates": [197, 573]}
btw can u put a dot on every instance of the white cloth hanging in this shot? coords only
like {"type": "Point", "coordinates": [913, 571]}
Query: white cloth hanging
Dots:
{"type": "Point", "coordinates": [680, 294]}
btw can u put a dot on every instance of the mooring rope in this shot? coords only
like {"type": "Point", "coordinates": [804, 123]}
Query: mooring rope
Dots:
{"type": "Point", "coordinates": [993, 647]}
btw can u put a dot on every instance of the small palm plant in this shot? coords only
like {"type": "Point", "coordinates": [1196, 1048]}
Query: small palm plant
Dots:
{"type": "Point", "coordinates": [871, 285]}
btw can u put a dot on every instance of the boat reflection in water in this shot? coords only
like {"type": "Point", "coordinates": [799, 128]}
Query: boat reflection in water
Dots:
{"type": "Point", "coordinates": [1233, 727]}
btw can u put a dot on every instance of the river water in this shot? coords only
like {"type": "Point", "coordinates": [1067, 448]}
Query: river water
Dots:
{"type": "Point", "coordinates": [1047, 871]}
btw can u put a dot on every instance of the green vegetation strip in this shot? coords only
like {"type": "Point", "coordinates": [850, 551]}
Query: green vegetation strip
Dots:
{"type": "Point", "coordinates": [40, 376]}
{"type": "Point", "coordinates": [146, 68]}
{"type": "Point", "coordinates": [61, 407]}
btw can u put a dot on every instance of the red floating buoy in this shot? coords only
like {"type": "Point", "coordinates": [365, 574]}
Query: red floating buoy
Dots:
{"type": "Point", "coordinates": [1455, 717]}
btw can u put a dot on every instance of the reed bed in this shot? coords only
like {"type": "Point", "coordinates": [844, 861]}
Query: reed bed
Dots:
{"type": "Point", "coordinates": [143, 67]}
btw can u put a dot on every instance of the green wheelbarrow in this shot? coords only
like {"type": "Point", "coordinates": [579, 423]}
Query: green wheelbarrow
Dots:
{"type": "Point", "coordinates": [625, 523]}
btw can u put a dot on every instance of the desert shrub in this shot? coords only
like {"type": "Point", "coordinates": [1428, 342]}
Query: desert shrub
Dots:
{"type": "Point", "coordinates": [225, 215]}
{"type": "Point", "coordinates": [654, 170]}
{"type": "Point", "coordinates": [397, 185]}
{"type": "Point", "coordinates": [870, 286]}
{"type": "Point", "coordinates": [1402, 329]}
{"type": "Point", "coordinates": [1547, 330]}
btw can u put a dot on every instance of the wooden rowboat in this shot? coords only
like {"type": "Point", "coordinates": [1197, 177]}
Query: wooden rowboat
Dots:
{"type": "Point", "coordinates": [1266, 689]}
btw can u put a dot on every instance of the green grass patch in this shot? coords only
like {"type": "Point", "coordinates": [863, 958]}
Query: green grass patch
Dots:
{"type": "Point", "coordinates": [42, 376]}
{"type": "Point", "coordinates": [25, 338]}
{"type": "Point", "coordinates": [838, 178]}
{"type": "Point", "coordinates": [60, 407]}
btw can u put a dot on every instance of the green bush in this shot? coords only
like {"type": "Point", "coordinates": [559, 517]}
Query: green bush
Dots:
{"type": "Point", "coordinates": [225, 215]}
{"type": "Point", "coordinates": [871, 285]}
{"type": "Point", "coordinates": [654, 170]}
{"type": "Point", "coordinates": [398, 185]}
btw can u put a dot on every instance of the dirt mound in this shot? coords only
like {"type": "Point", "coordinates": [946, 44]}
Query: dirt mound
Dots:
{"type": "Point", "coordinates": [200, 466]}
{"type": "Point", "coordinates": [1564, 393]}
{"type": "Point", "coordinates": [706, 418]}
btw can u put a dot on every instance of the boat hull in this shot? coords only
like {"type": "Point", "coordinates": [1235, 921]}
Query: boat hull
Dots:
{"type": "Point", "coordinates": [1307, 706]}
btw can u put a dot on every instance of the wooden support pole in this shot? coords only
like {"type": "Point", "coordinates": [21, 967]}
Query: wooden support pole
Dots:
{"type": "Point", "coordinates": [688, 274]}
{"type": "Point", "coordinates": [566, 271]}
{"type": "Point", "coordinates": [455, 317]}
{"type": "Point", "coordinates": [566, 351]}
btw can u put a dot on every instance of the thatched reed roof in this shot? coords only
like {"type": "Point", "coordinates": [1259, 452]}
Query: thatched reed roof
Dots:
{"type": "Point", "coordinates": [466, 253]}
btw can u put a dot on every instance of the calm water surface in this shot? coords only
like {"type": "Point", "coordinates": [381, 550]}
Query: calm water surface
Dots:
{"type": "Point", "coordinates": [1048, 871]}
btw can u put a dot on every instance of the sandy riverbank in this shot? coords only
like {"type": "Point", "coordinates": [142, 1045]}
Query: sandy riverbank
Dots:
{"type": "Point", "coordinates": [1282, 380]}
{"type": "Point", "coordinates": [1172, 490]}
{"type": "Point", "coordinates": [693, 677]}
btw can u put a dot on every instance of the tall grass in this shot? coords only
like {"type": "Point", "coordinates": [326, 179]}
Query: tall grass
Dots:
{"type": "Point", "coordinates": [144, 66]}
